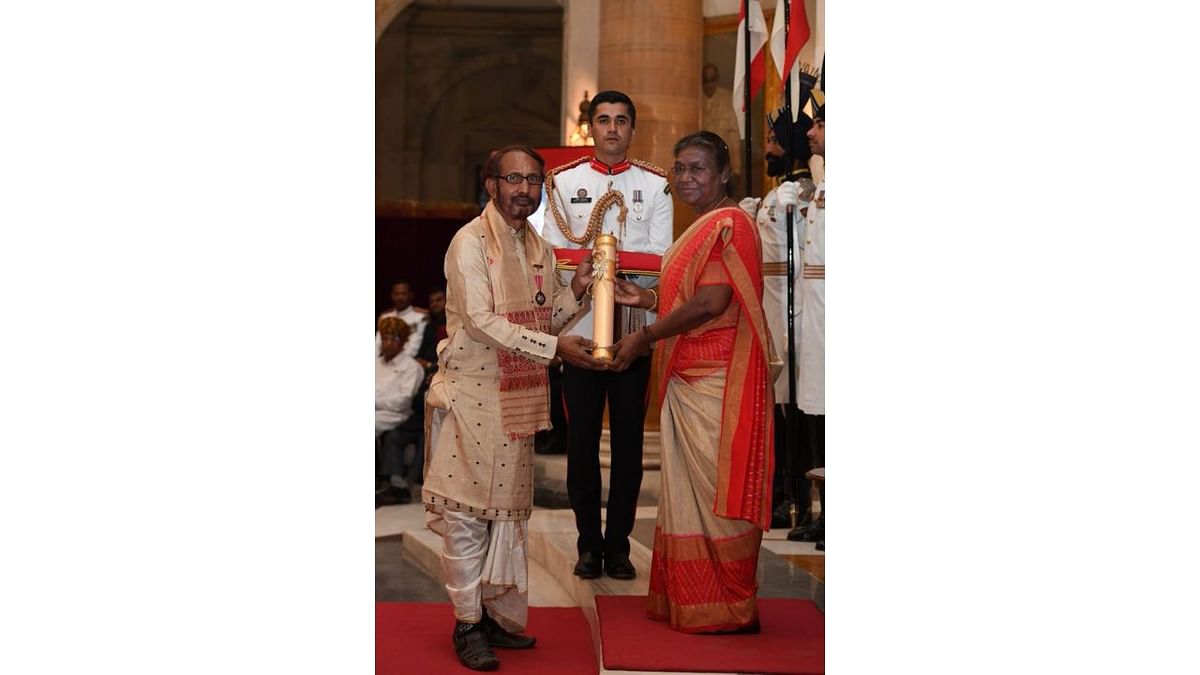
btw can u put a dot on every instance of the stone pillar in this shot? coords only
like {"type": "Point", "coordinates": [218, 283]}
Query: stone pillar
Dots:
{"type": "Point", "coordinates": [581, 53]}
{"type": "Point", "coordinates": [653, 51]}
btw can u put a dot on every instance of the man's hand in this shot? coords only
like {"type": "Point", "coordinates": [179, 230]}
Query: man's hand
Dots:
{"type": "Point", "coordinates": [750, 205]}
{"type": "Point", "coordinates": [582, 278]}
{"type": "Point", "coordinates": [628, 350]}
{"type": "Point", "coordinates": [626, 292]}
{"type": "Point", "coordinates": [576, 350]}
{"type": "Point", "coordinates": [788, 194]}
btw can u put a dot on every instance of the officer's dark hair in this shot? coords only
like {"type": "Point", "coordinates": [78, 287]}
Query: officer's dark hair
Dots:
{"type": "Point", "coordinates": [397, 282]}
{"type": "Point", "coordinates": [492, 168]}
{"type": "Point", "coordinates": [612, 96]}
{"type": "Point", "coordinates": [709, 141]}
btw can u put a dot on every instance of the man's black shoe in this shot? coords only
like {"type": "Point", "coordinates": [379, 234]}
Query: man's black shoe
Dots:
{"type": "Point", "coordinates": [498, 637]}
{"type": "Point", "coordinates": [780, 517]}
{"type": "Point", "coordinates": [471, 645]}
{"type": "Point", "coordinates": [590, 566]}
{"type": "Point", "coordinates": [401, 495]}
{"type": "Point", "coordinates": [620, 568]}
{"type": "Point", "coordinates": [821, 545]}
{"type": "Point", "coordinates": [813, 532]}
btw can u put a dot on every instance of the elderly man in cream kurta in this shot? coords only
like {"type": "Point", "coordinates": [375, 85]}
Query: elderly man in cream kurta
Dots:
{"type": "Point", "coordinates": [504, 308]}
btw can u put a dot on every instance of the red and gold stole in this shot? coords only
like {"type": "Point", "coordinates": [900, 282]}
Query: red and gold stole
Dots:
{"type": "Point", "coordinates": [745, 461]}
{"type": "Point", "coordinates": [524, 385]}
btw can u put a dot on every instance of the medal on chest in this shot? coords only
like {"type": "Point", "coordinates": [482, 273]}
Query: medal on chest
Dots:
{"type": "Point", "coordinates": [638, 203]}
{"type": "Point", "coordinates": [540, 298]}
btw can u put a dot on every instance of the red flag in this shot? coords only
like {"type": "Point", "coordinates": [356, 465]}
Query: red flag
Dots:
{"type": "Point", "coordinates": [758, 62]}
{"type": "Point", "coordinates": [798, 33]}
{"type": "Point", "coordinates": [805, 43]}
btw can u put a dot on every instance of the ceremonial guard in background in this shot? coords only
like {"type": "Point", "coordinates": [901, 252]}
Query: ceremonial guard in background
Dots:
{"type": "Point", "coordinates": [608, 193]}
{"type": "Point", "coordinates": [787, 155]}
{"type": "Point", "coordinates": [810, 372]}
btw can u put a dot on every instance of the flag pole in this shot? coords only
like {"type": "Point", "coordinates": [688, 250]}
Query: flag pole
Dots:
{"type": "Point", "coordinates": [746, 95]}
{"type": "Point", "coordinates": [791, 417]}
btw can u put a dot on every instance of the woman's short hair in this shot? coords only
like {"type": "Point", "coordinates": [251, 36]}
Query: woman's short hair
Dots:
{"type": "Point", "coordinates": [709, 141]}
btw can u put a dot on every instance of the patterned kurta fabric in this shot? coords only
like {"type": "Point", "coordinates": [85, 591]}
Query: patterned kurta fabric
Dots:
{"type": "Point", "coordinates": [473, 462]}
{"type": "Point", "coordinates": [716, 424]}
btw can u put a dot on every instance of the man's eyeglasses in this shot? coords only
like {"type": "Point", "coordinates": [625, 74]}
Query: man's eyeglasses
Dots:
{"type": "Point", "coordinates": [683, 171]}
{"type": "Point", "coordinates": [516, 178]}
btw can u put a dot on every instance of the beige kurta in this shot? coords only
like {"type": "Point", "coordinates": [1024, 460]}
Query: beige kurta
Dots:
{"type": "Point", "coordinates": [472, 465]}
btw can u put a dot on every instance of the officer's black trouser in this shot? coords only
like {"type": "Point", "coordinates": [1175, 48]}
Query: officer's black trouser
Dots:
{"type": "Point", "coordinates": [586, 392]}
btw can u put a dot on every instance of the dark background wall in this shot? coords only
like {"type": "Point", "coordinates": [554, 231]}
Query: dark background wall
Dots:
{"type": "Point", "coordinates": [412, 247]}
{"type": "Point", "coordinates": [452, 84]}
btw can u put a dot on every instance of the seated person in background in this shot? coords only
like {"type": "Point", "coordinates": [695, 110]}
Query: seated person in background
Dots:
{"type": "Point", "coordinates": [415, 317]}
{"type": "Point", "coordinates": [435, 331]}
{"type": "Point", "coordinates": [397, 379]}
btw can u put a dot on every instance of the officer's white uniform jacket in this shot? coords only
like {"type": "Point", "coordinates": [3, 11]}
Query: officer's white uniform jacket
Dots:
{"type": "Point", "coordinates": [809, 249]}
{"type": "Point", "coordinates": [578, 185]}
{"type": "Point", "coordinates": [810, 380]}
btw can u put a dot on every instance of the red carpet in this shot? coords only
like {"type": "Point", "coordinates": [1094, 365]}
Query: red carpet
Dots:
{"type": "Point", "coordinates": [792, 640]}
{"type": "Point", "coordinates": [414, 637]}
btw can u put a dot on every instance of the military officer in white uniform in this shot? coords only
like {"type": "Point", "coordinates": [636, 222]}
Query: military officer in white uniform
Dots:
{"type": "Point", "coordinates": [810, 376]}
{"type": "Point", "coordinates": [787, 155]}
{"type": "Point", "coordinates": [585, 198]}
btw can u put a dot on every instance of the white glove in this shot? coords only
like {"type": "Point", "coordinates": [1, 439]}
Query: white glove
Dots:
{"type": "Point", "coordinates": [788, 194]}
{"type": "Point", "coordinates": [750, 205]}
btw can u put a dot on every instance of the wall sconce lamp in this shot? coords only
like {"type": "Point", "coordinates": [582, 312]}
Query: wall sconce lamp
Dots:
{"type": "Point", "coordinates": [582, 134]}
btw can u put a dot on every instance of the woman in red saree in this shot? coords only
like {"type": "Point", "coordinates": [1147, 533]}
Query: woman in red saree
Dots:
{"type": "Point", "coordinates": [717, 398]}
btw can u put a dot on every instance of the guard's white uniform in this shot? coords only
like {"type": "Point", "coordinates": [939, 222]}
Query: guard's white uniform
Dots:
{"type": "Point", "coordinates": [810, 378]}
{"type": "Point", "coordinates": [809, 249]}
{"type": "Point", "coordinates": [578, 185]}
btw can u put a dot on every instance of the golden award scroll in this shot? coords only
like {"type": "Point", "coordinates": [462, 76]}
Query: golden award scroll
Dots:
{"type": "Point", "coordinates": [604, 271]}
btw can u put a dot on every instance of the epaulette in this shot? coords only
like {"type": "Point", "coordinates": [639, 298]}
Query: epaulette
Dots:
{"type": "Point", "coordinates": [655, 169]}
{"type": "Point", "coordinates": [569, 165]}
{"type": "Point", "coordinates": [652, 168]}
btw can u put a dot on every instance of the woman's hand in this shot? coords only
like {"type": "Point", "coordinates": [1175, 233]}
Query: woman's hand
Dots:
{"type": "Point", "coordinates": [628, 350]}
{"type": "Point", "coordinates": [628, 293]}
